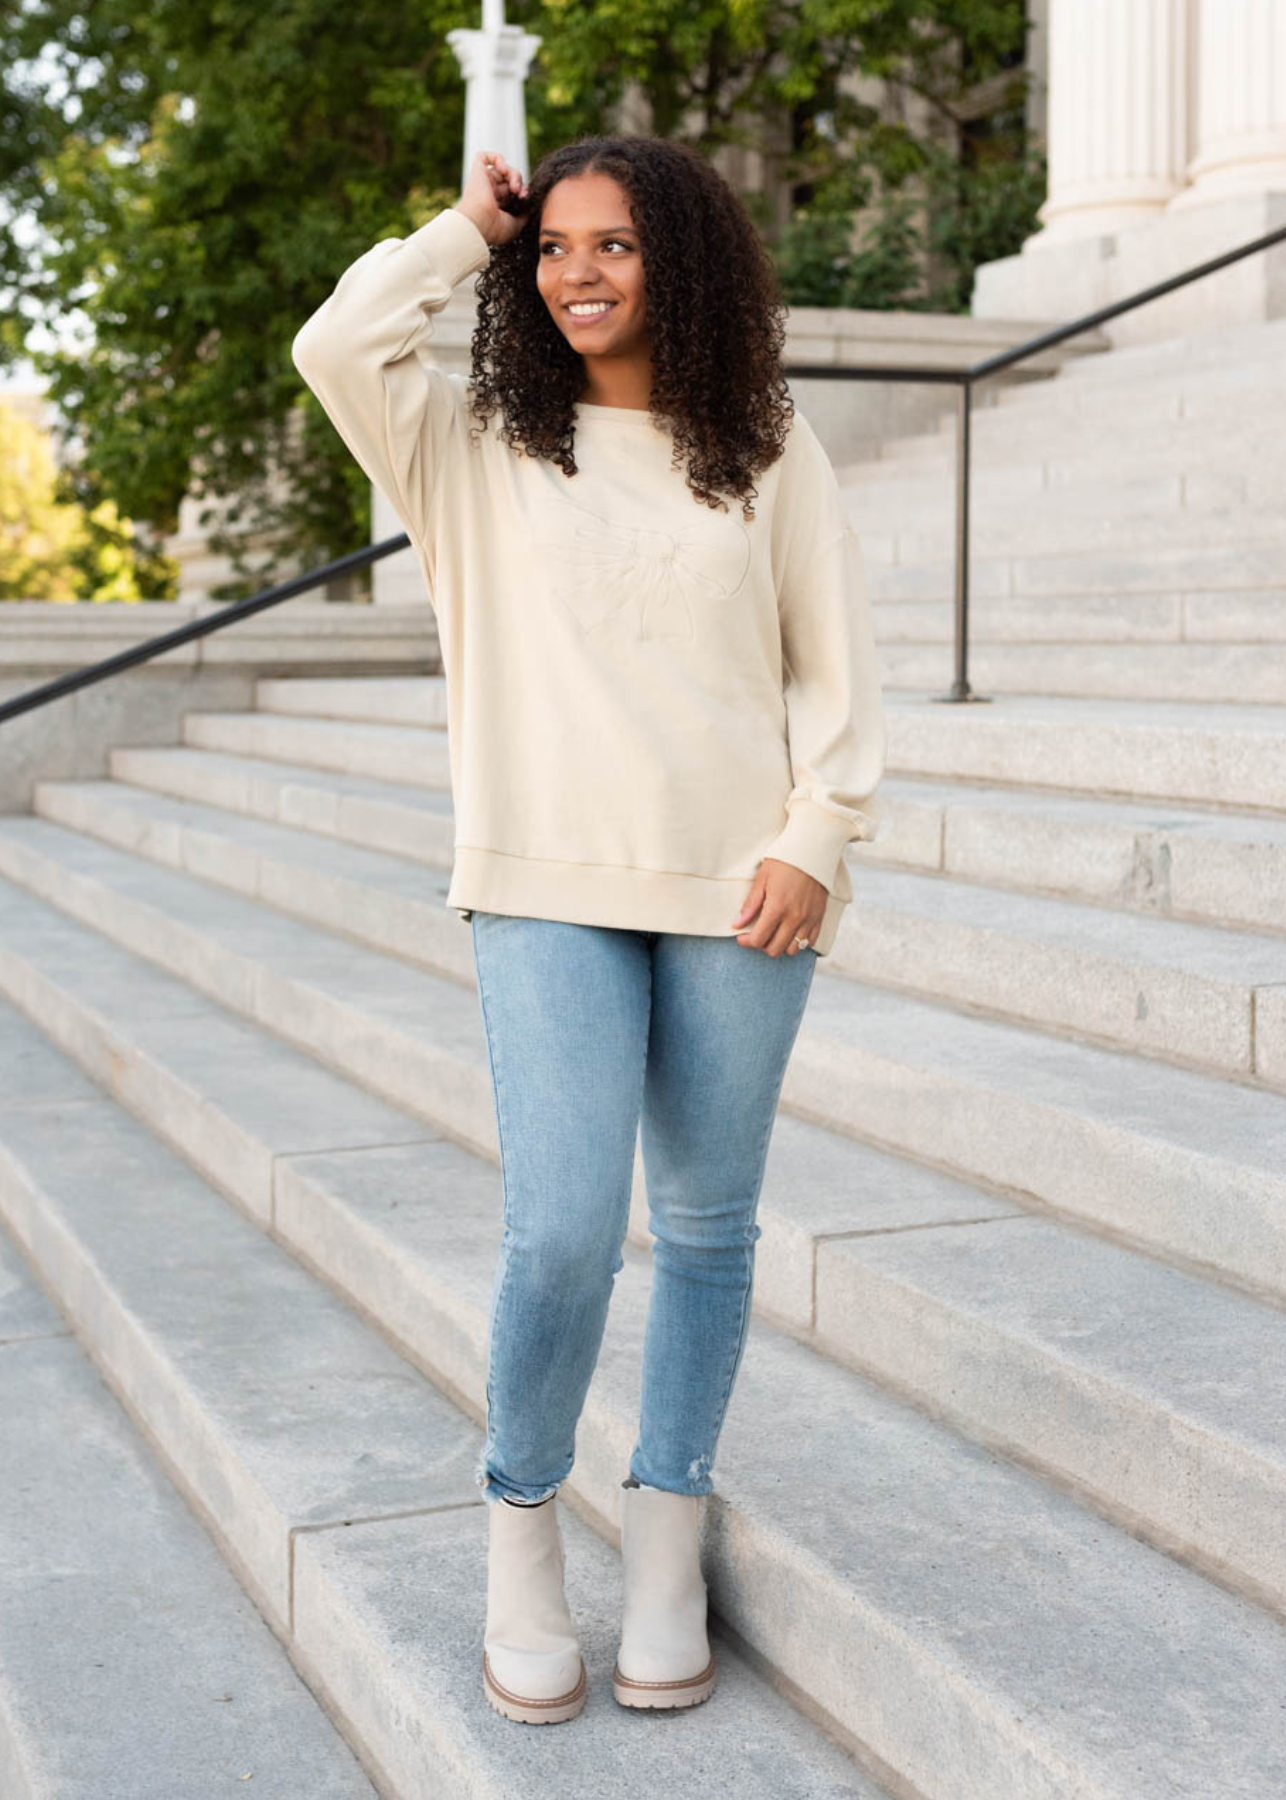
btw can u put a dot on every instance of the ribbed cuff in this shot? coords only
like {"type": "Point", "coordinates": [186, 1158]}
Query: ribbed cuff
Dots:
{"type": "Point", "coordinates": [813, 839]}
{"type": "Point", "coordinates": [452, 245]}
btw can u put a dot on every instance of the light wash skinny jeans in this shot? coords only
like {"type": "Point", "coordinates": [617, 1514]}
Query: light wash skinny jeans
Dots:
{"type": "Point", "coordinates": [590, 1028]}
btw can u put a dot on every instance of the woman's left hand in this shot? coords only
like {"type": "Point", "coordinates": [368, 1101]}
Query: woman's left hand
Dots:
{"type": "Point", "coordinates": [790, 905]}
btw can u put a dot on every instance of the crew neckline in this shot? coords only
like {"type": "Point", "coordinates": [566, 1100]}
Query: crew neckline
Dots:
{"type": "Point", "coordinates": [638, 415]}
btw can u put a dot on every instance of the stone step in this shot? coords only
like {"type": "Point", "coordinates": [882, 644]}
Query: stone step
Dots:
{"type": "Point", "coordinates": [385, 900]}
{"type": "Point", "coordinates": [1047, 1651]}
{"type": "Point", "coordinates": [1204, 673]}
{"type": "Point", "coordinates": [1163, 858]}
{"type": "Point", "coordinates": [358, 809]}
{"type": "Point", "coordinates": [922, 497]}
{"type": "Point", "coordinates": [1216, 396]}
{"type": "Point", "coordinates": [1059, 1348]}
{"type": "Point", "coordinates": [392, 699]}
{"type": "Point", "coordinates": [337, 1479]}
{"type": "Point", "coordinates": [1182, 991]}
{"type": "Point", "coordinates": [1184, 388]}
{"type": "Point", "coordinates": [1167, 858]}
{"type": "Point", "coordinates": [236, 1104]}
{"type": "Point", "coordinates": [1061, 456]}
{"type": "Point", "coordinates": [131, 1662]}
{"type": "Point", "coordinates": [920, 567]}
{"type": "Point", "coordinates": [234, 1100]}
{"type": "Point", "coordinates": [1009, 619]}
{"type": "Point", "coordinates": [387, 752]}
{"type": "Point", "coordinates": [1255, 341]}
{"type": "Point", "coordinates": [1208, 753]}
{"type": "Point", "coordinates": [1206, 621]}
{"type": "Point", "coordinates": [1180, 1163]}
{"type": "Point", "coordinates": [1199, 995]}
{"type": "Point", "coordinates": [1021, 532]}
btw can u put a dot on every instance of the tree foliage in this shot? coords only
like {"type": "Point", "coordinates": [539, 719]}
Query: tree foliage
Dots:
{"type": "Point", "coordinates": [200, 175]}
{"type": "Point", "coordinates": [51, 549]}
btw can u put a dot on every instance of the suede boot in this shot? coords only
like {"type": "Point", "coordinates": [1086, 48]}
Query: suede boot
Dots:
{"type": "Point", "coordinates": [531, 1663]}
{"type": "Point", "coordinates": [664, 1657]}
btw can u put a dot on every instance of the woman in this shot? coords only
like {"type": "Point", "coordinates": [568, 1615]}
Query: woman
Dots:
{"type": "Point", "coordinates": [665, 724]}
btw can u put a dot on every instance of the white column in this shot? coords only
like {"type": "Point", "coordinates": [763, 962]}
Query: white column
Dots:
{"type": "Point", "coordinates": [1118, 114]}
{"type": "Point", "coordinates": [1241, 101]}
{"type": "Point", "coordinates": [494, 63]}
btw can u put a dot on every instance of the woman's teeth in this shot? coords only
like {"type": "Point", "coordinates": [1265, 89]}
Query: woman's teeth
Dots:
{"type": "Point", "coordinates": [589, 312]}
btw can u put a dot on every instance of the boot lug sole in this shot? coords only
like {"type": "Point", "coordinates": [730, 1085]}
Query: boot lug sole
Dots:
{"type": "Point", "coordinates": [664, 1693]}
{"type": "Point", "coordinates": [531, 1711]}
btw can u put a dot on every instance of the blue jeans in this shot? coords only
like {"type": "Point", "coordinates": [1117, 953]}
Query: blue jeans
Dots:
{"type": "Point", "coordinates": [589, 1029]}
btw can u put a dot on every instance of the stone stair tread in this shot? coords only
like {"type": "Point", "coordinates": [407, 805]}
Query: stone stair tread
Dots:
{"type": "Point", "coordinates": [210, 1320]}
{"type": "Point", "coordinates": [1136, 814]}
{"type": "Point", "coordinates": [1227, 746]}
{"type": "Point", "coordinates": [916, 1526]}
{"type": "Point", "coordinates": [1148, 963]}
{"type": "Point", "coordinates": [255, 934]}
{"type": "Point", "coordinates": [1241, 958]}
{"type": "Point", "coordinates": [417, 754]}
{"type": "Point", "coordinates": [251, 769]}
{"type": "Point", "coordinates": [137, 1026]}
{"type": "Point", "coordinates": [1081, 1302]}
{"type": "Point", "coordinates": [290, 1402]}
{"type": "Point", "coordinates": [399, 699]}
{"type": "Point", "coordinates": [204, 1074]}
{"type": "Point", "coordinates": [1057, 709]}
{"type": "Point", "coordinates": [1207, 1116]}
{"type": "Point", "coordinates": [918, 1534]}
{"type": "Point", "coordinates": [1145, 813]}
{"type": "Point", "coordinates": [355, 1585]}
{"type": "Point", "coordinates": [1112, 875]}
{"type": "Point", "coordinates": [148, 811]}
{"type": "Point", "coordinates": [132, 1662]}
{"type": "Point", "coordinates": [411, 737]}
{"type": "Point", "coordinates": [1203, 1354]}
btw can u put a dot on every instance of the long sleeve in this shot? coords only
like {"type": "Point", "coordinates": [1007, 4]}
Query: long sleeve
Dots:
{"type": "Point", "coordinates": [834, 706]}
{"type": "Point", "coordinates": [358, 354]}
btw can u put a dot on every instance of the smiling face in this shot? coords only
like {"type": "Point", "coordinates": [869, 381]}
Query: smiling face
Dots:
{"type": "Point", "coordinates": [590, 252]}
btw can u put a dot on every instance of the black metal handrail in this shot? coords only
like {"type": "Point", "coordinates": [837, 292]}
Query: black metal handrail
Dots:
{"type": "Point", "coordinates": [195, 628]}
{"type": "Point", "coordinates": [963, 379]}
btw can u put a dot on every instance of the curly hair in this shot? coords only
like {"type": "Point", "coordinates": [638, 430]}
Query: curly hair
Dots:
{"type": "Point", "coordinates": [716, 322]}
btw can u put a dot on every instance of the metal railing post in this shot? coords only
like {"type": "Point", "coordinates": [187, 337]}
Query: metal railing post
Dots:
{"type": "Point", "coordinates": [960, 689]}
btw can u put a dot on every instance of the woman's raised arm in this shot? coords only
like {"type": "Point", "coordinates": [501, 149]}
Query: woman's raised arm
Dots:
{"type": "Point", "coordinates": [358, 350]}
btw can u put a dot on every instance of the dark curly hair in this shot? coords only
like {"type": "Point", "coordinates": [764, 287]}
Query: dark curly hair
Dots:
{"type": "Point", "coordinates": [716, 321]}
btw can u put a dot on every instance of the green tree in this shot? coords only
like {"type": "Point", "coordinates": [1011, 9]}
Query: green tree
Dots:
{"type": "Point", "coordinates": [200, 175]}
{"type": "Point", "coordinates": [50, 549]}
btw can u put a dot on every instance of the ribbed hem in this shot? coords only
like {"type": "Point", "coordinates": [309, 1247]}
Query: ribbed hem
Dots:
{"type": "Point", "coordinates": [813, 838]}
{"type": "Point", "coordinates": [598, 894]}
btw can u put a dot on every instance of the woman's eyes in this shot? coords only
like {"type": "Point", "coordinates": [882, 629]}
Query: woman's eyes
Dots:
{"type": "Point", "coordinates": [549, 244]}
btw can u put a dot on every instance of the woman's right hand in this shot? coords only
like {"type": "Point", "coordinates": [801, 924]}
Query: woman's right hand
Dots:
{"type": "Point", "coordinates": [490, 180]}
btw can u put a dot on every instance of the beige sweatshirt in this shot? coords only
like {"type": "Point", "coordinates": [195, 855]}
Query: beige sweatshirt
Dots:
{"type": "Point", "coordinates": [645, 696]}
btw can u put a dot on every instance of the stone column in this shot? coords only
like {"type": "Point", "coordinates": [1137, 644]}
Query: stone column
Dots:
{"type": "Point", "coordinates": [1241, 101]}
{"type": "Point", "coordinates": [494, 63]}
{"type": "Point", "coordinates": [1118, 113]}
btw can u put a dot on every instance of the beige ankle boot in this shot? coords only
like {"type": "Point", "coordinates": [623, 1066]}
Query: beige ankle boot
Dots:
{"type": "Point", "coordinates": [531, 1663]}
{"type": "Point", "coordinates": [664, 1658]}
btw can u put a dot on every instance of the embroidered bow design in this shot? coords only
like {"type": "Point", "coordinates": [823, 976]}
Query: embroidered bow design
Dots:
{"type": "Point", "coordinates": [656, 579]}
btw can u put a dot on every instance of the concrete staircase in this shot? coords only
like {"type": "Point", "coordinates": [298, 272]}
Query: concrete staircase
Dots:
{"type": "Point", "coordinates": [1000, 1507]}
{"type": "Point", "coordinates": [1128, 536]}
{"type": "Point", "coordinates": [1000, 1497]}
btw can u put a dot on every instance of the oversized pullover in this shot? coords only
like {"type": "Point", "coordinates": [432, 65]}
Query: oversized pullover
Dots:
{"type": "Point", "coordinates": [645, 696]}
